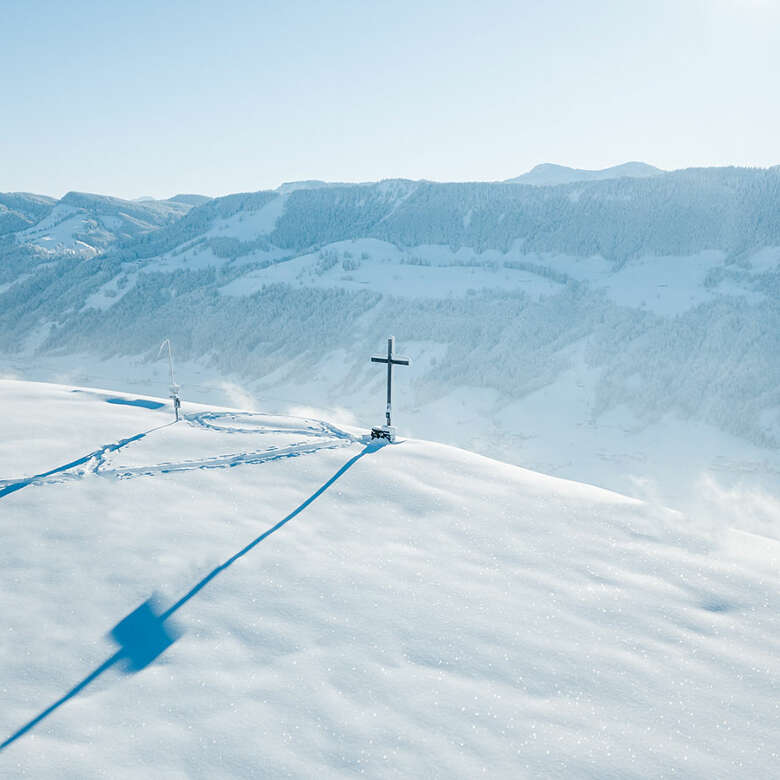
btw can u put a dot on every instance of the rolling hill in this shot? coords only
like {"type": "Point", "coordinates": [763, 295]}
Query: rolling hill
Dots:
{"type": "Point", "coordinates": [241, 593]}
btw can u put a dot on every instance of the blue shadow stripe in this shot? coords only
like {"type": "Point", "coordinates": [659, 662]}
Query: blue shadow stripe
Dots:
{"type": "Point", "coordinates": [23, 483]}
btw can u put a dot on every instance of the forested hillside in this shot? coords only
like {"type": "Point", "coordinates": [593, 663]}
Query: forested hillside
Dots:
{"type": "Point", "coordinates": [659, 293]}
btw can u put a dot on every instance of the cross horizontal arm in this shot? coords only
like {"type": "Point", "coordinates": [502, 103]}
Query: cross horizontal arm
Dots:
{"type": "Point", "coordinates": [396, 361]}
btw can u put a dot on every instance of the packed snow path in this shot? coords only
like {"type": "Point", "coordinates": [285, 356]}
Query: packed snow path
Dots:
{"type": "Point", "coordinates": [94, 459]}
{"type": "Point", "coordinates": [428, 612]}
{"type": "Point", "coordinates": [317, 436]}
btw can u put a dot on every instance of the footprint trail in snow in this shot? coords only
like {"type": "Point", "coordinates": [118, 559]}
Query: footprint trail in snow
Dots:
{"type": "Point", "coordinates": [287, 438]}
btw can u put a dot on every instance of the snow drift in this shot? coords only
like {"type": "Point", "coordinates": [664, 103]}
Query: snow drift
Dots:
{"type": "Point", "coordinates": [416, 610]}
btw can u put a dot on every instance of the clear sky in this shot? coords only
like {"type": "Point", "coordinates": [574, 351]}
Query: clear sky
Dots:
{"type": "Point", "coordinates": [154, 98]}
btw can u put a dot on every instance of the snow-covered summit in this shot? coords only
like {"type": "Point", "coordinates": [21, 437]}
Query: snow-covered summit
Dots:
{"type": "Point", "coordinates": [20, 210]}
{"type": "Point", "coordinates": [85, 225]}
{"type": "Point", "coordinates": [549, 174]}
{"type": "Point", "coordinates": [189, 199]}
{"type": "Point", "coordinates": [326, 607]}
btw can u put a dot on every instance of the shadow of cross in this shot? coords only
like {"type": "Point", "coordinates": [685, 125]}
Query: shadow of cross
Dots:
{"type": "Point", "coordinates": [142, 636]}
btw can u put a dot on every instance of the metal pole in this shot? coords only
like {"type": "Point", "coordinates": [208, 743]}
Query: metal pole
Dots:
{"type": "Point", "coordinates": [170, 362]}
{"type": "Point", "coordinates": [174, 389]}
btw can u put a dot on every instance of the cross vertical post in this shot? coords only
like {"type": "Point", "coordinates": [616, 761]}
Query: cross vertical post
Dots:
{"type": "Point", "coordinates": [390, 344]}
{"type": "Point", "coordinates": [391, 360]}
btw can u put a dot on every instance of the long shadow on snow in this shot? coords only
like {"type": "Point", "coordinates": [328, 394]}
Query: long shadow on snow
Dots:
{"type": "Point", "coordinates": [143, 635]}
{"type": "Point", "coordinates": [98, 453]}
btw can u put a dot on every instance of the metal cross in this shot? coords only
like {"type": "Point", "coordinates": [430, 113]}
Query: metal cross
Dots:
{"type": "Point", "coordinates": [391, 360]}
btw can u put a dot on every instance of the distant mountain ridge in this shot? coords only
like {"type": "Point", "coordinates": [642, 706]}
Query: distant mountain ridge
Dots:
{"type": "Point", "coordinates": [85, 224]}
{"type": "Point", "coordinates": [20, 210]}
{"type": "Point", "coordinates": [734, 210]}
{"type": "Point", "coordinates": [190, 200]}
{"type": "Point", "coordinates": [549, 174]}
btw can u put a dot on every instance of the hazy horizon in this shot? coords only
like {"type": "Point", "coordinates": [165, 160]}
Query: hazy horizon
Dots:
{"type": "Point", "coordinates": [373, 181]}
{"type": "Point", "coordinates": [146, 100]}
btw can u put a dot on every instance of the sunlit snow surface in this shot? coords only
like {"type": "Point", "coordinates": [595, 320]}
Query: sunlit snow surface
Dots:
{"type": "Point", "coordinates": [423, 611]}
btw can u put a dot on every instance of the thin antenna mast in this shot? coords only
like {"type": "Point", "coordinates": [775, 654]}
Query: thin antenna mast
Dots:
{"type": "Point", "coordinates": [174, 388]}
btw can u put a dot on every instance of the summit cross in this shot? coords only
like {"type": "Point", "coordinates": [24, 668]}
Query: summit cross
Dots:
{"type": "Point", "coordinates": [391, 360]}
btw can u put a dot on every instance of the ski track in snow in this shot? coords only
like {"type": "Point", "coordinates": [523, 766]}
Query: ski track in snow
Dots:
{"type": "Point", "coordinates": [308, 427]}
{"type": "Point", "coordinates": [220, 461]}
{"type": "Point", "coordinates": [98, 455]}
{"type": "Point", "coordinates": [98, 460]}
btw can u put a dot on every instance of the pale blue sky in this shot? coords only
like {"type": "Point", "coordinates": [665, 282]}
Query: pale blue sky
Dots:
{"type": "Point", "coordinates": [155, 98]}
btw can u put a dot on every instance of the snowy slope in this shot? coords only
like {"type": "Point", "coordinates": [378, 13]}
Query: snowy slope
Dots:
{"type": "Point", "coordinates": [85, 225]}
{"type": "Point", "coordinates": [19, 210]}
{"type": "Point", "coordinates": [420, 611]}
{"type": "Point", "coordinates": [646, 307]}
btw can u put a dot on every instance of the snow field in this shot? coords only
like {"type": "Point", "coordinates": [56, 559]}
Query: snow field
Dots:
{"type": "Point", "coordinates": [430, 613]}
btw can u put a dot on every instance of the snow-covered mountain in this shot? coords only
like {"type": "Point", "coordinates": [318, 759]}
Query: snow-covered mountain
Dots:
{"type": "Point", "coordinates": [621, 331]}
{"type": "Point", "coordinates": [85, 225]}
{"type": "Point", "coordinates": [293, 602]}
{"type": "Point", "coordinates": [549, 174]}
{"type": "Point", "coordinates": [20, 210]}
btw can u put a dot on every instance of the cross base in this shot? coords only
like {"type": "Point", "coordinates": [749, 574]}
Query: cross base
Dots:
{"type": "Point", "coordinates": [383, 432]}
